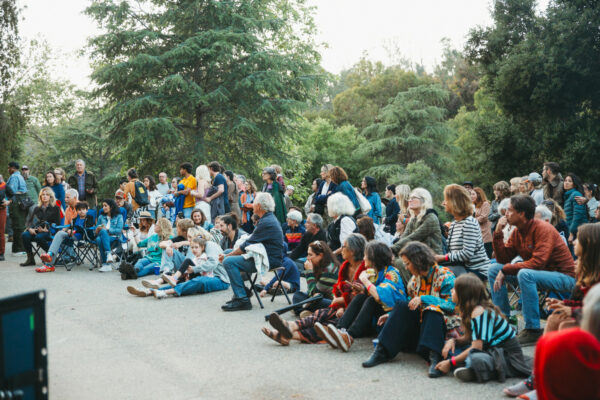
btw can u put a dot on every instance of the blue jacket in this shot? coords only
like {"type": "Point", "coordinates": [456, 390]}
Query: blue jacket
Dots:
{"type": "Point", "coordinates": [268, 232]}
{"type": "Point", "coordinates": [16, 184]}
{"type": "Point", "coordinates": [576, 213]}
{"type": "Point", "coordinates": [375, 212]}
{"type": "Point", "coordinates": [116, 224]}
{"type": "Point", "coordinates": [59, 193]}
{"type": "Point", "coordinates": [346, 188]}
{"type": "Point", "coordinates": [322, 198]}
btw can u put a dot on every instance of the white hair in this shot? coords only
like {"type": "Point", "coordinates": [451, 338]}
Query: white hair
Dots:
{"type": "Point", "coordinates": [426, 202]}
{"type": "Point", "coordinates": [339, 204]}
{"type": "Point", "coordinates": [202, 173]}
{"type": "Point", "coordinates": [315, 219]}
{"type": "Point", "coordinates": [295, 215]}
{"type": "Point", "coordinates": [73, 193]}
{"type": "Point", "coordinates": [265, 200]}
{"type": "Point", "coordinates": [545, 213]}
{"type": "Point", "coordinates": [504, 205]}
{"type": "Point", "coordinates": [80, 161]}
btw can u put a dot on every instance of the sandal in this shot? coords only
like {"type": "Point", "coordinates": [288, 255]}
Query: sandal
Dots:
{"type": "Point", "coordinates": [282, 326]}
{"type": "Point", "coordinates": [45, 268]}
{"type": "Point", "coordinates": [276, 336]}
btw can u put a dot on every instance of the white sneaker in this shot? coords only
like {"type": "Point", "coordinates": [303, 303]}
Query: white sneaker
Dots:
{"type": "Point", "coordinates": [139, 292]}
{"type": "Point", "coordinates": [159, 294]}
{"type": "Point", "coordinates": [150, 284]}
{"type": "Point", "coordinates": [110, 258]}
{"type": "Point", "coordinates": [20, 254]}
{"type": "Point", "coordinates": [105, 268]}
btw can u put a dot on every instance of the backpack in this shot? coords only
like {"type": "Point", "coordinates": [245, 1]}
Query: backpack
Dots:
{"type": "Point", "coordinates": [141, 195]}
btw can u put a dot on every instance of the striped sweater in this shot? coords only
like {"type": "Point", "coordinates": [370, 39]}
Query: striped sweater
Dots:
{"type": "Point", "coordinates": [491, 328]}
{"type": "Point", "coordinates": [465, 245]}
{"type": "Point", "coordinates": [324, 285]}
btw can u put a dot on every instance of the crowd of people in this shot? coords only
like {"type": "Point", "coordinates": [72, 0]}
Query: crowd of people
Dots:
{"type": "Point", "coordinates": [381, 267]}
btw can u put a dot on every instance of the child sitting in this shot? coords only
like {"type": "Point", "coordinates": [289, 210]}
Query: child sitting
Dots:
{"type": "Point", "coordinates": [75, 230]}
{"type": "Point", "coordinates": [162, 232]}
{"type": "Point", "coordinates": [494, 351]}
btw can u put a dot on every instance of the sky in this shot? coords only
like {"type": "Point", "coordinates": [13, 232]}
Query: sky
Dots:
{"type": "Point", "coordinates": [350, 28]}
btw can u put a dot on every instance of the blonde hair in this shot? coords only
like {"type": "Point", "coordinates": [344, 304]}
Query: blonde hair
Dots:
{"type": "Point", "coordinates": [165, 228]}
{"type": "Point", "coordinates": [202, 173]}
{"type": "Point", "coordinates": [50, 192]}
{"type": "Point", "coordinates": [426, 202]}
{"type": "Point", "coordinates": [459, 200]}
{"type": "Point", "coordinates": [402, 193]}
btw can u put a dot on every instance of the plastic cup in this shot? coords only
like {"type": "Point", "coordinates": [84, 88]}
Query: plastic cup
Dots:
{"type": "Point", "coordinates": [157, 270]}
{"type": "Point", "coordinates": [375, 342]}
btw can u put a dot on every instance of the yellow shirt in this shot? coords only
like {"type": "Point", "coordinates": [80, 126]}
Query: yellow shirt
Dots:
{"type": "Point", "coordinates": [189, 183]}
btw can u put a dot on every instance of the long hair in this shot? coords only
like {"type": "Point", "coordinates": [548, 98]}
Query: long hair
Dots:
{"type": "Point", "coordinates": [459, 200]}
{"type": "Point", "coordinates": [379, 254]}
{"type": "Point", "coordinates": [426, 202]}
{"type": "Point", "coordinates": [402, 194]}
{"type": "Point", "coordinates": [371, 185]}
{"type": "Point", "coordinates": [504, 188]}
{"type": "Point", "coordinates": [577, 184]}
{"type": "Point", "coordinates": [166, 230]}
{"type": "Point", "coordinates": [202, 173]}
{"type": "Point", "coordinates": [366, 227]}
{"type": "Point", "coordinates": [114, 208]}
{"type": "Point", "coordinates": [252, 186]}
{"type": "Point", "coordinates": [320, 247]}
{"type": "Point", "coordinates": [481, 197]}
{"type": "Point", "coordinates": [50, 192]}
{"type": "Point", "coordinates": [558, 214]}
{"type": "Point", "coordinates": [151, 183]}
{"type": "Point", "coordinates": [588, 236]}
{"type": "Point", "coordinates": [338, 175]}
{"type": "Point", "coordinates": [471, 292]}
{"type": "Point", "coordinates": [45, 183]}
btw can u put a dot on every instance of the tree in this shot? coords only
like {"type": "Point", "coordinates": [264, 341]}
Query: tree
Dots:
{"type": "Point", "coordinates": [200, 80]}
{"type": "Point", "coordinates": [411, 136]}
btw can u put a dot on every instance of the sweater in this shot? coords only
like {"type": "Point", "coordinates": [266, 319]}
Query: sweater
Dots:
{"type": "Point", "coordinates": [481, 215]}
{"type": "Point", "coordinates": [375, 202]}
{"type": "Point", "coordinates": [154, 253]}
{"type": "Point", "coordinates": [293, 236]}
{"type": "Point", "coordinates": [268, 232]}
{"type": "Point", "coordinates": [539, 244]}
{"type": "Point", "coordinates": [576, 213]}
{"type": "Point", "coordinates": [324, 284]}
{"type": "Point", "coordinates": [465, 245]}
{"type": "Point", "coordinates": [211, 266]}
{"type": "Point", "coordinates": [425, 230]}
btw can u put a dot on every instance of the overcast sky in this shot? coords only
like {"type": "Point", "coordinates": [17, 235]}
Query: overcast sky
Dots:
{"type": "Point", "coordinates": [349, 27]}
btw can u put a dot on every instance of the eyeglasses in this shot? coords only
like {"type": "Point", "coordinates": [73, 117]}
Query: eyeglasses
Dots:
{"type": "Point", "coordinates": [415, 198]}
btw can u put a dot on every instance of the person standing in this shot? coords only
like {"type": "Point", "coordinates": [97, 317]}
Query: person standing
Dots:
{"type": "Point", "coordinates": [16, 189]}
{"type": "Point", "coordinates": [189, 183]}
{"type": "Point", "coordinates": [219, 199]}
{"type": "Point", "coordinates": [163, 184]}
{"type": "Point", "coordinates": [130, 188]}
{"type": "Point", "coordinates": [33, 184]}
{"type": "Point", "coordinates": [552, 182]}
{"type": "Point", "coordinates": [3, 203]}
{"type": "Point", "coordinates": [85, 183]}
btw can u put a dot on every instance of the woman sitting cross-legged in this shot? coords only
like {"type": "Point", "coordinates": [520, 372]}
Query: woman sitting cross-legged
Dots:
{"type": "Point", "coordinates": [379, 289]}
{"type": "Point", "coordinates": [494, 351]}
{"type": "Point", "coordinates": [303, 329]}
{"type": "Point", "coordinates": [321, 269]}
{"type": "Point", "coordinates": [163, 231]}
{"type": "Point", "coordinates": [201, 274]}
{"type": "Point", "coordinates": [421, 324]}
{"type": "Point", "coordinates": [108, 229]}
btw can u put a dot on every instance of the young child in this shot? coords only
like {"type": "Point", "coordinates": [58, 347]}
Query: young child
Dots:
{"type": "Point", "coordinates": [494, 351]}
{"type": "Point", "coordinates": [75, 230]}
{"type": "Point", "coordinates": [201, 274]}
{"type": "Point", "coordinates": [162, 232]}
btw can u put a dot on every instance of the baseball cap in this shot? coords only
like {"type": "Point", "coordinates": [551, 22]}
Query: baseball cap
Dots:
{"type": "Point", "coordinates": [120, 194]}
{"type": "Point", "coordinates": [24, 167]}
{"type": "Point", "coordinates": [534, 177]}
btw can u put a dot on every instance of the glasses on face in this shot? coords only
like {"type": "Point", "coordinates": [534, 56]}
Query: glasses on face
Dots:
{"type": "Point", "coordinates": [411, 198]}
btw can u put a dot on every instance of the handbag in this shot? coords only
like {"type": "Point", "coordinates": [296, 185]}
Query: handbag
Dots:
{"type": "Point", "coordinates": [365, 206]}
{"type": "Point", "coordinates": [24, 202]}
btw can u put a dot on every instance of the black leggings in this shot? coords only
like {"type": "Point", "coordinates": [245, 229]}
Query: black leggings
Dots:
{"type": "Point", "coordinates": [358, 318]}
{"type": "Point", "coordinates": [185, 264]}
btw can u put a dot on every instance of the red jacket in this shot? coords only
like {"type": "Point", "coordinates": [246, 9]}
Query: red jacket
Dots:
{"type": "Point", "coordinates": [341, 288]}
{"type": "Point", "coordinates": [539, 244]}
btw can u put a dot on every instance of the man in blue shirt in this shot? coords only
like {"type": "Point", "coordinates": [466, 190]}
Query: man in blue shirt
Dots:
{"type": "Point", "coordinates": [16, 189]}
{"type": "Point", "coordinates": [268, 233]}
{"type": "Point", "coordinates": [219, 200]}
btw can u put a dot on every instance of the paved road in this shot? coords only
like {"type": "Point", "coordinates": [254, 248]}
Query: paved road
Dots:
{"type": "Point", "coordinates": [106, 344]}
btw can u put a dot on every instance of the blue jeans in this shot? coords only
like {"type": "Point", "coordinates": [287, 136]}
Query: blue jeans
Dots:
{"type": "Point", "coordinates": [235, 265]}
{"type": "Point", "coordinates": [145, 266]}
{"type": "Point", "coordinates": [200, 284]}
{"type": "Point", "coordinates": [187, 212]}
{"type": "Point", "coordinates": [530, 281]}
{"type": "Point", "coordinates": [103, 241]}
{"type": "Point", "coordinates": [43, 239]}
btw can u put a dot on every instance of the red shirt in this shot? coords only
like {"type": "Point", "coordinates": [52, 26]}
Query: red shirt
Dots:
{"type": "Point", "coordinates": [341, 288]}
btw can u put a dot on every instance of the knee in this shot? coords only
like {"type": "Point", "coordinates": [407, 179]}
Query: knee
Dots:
{"type": "Point", "coordinates": [525, 275]}
{"type": "Point", "coordinates": [493, 270]}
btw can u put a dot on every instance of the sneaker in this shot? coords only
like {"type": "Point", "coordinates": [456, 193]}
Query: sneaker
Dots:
{"type": "Point", "coordinates": [169, 279]}
{"type": "Point", "coordinates": [110, 258]}
{"type": "Point", "coordinates": [20, 254]}
{"type": "Point", "coordinates": [529, 396]}
{"type": "Point", "coordinates": [342, 338]}
{"type": "Point", "coordinates": [150, 284]}
{"type": "Point", "coordinates": [464, 374]}
{"type": "Point", "coordinates": [518, 389]}
{"type": "Point", "coordinates": [528, 337]}
{"type": "Point", "coordinates": [159, 294]}
{"type": "Point", "coordinates": [305, 313]}
{"type": "Point", "coordinates": [139, 292]}
{"type": "Point", "coordinates": [45, 268]}
{"type": "Point", "coordinates": [47, 258]}
{"type": "Point", "coordinates": [324, 334]}
{"type": "Point", "coordinates": [105, 268]}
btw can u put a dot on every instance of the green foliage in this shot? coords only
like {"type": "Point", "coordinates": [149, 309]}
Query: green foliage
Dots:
{"type": "Point", "coordinates": [411, 141]}
{"type": "Point", "coordinates": [9, 45]}
{"type": "Point", "coordinates": [202, 80]}
{"type": "Point", "coordinates": [11, 120]}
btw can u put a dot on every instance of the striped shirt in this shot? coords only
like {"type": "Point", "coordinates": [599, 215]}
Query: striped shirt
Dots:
{"type": "Point", "coordinates": [490, 328]}
{"type": "Point", "coordinates": [324, 285]}
{"type": "Point", "coordinates": [465, 245]}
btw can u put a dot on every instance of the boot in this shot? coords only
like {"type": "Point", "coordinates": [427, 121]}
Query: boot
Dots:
{"type": "Point", "coordinates": [379, 356]}
{"type": "Point", "coordinates": [29, 262]}
{"type": "Point", "coordinates": [434, 359]}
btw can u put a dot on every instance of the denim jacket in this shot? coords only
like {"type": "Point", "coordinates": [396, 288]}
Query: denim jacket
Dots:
{"type": "Point", "coordinates": [116, 224]}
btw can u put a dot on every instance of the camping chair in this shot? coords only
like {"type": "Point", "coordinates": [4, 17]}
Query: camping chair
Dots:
{"type": "Point", "coordinates": [86, 248]}
{"type": "Point", "coordinates": [253, 277]}
{"type": "Point", "coordinates": [119, 248]}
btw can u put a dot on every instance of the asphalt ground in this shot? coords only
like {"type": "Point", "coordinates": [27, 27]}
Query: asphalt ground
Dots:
{"type": "Point", "coordinates": [104, 343]}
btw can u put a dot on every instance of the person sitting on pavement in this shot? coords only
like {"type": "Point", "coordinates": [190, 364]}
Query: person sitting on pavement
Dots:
{"type": "Point", "coordinates": [43, 215]}
{"type": "Point", "coordinates": [378, 290]}
{"type": "Point", "coordinates": [547, 263]}
{"type": "Point", "coordinates": [493, 350]}
{"type": "Point", "coordinates": [200, 219]}
{"type": "Point", "coordinates": [201, 274]}
{"type": "Point", "coordinates": [314, 231]}
{"type": "Point", "coordinates": [293, 229]}
{"type": "Point", "coordinates": [341, 210]}
{"type": "Point", "coordinates": [81, 222]}
{"type": "Point", "coordinates": [109, 228]}
{"type": "Point", "coordinates": [267, 233]}
{"type": "Point", "coordinates": [421, 323]}
{"type": "Point", "coordinates": [321, 270]}
{"type": "Point", "coordinates": [144, 230]}
{"type": "Point", "coordinates": [163, 231]}
{"type": "Point", "coordinates": [290, 280]}
{"type": "Point", "coordinates": [466, 251]}
{"type": "Point", "coordinates": [230, 231]}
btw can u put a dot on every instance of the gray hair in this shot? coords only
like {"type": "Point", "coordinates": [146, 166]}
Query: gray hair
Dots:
{"type": "Point", "coordinates": [315, 219]}
{"type": "Point", "coordinates": [265, 201]}
{"type": "Point", "coordinates": [504, 205]}
{"type": "Point", "coordinates": [355, 242]}
{"type": "Point", "coordinates": [80, 161]}
{"type": "Point", "coordinates": [241, 178]}
{"type": "Point", "coordinates": [72, 193]}
{"type": "Point", "coordinates": [545, 213]}
{"type": "Point", "coordinates": [591, 312]}
{"type": "Point", "coordinates": [426, 201]}
{"type": "Point", "coordinates": [339, 204]}
{"type": "Point", "coordinates": [295, 215]}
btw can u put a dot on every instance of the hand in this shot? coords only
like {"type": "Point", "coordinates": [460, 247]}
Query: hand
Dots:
{"type": "Point", "coordinates": [339, 312]}
{"type": "Point", "coordinates": [440, 258]}
{"type": "Point", "coordinates": [571, 238]}
{"type": "Point", "coordinates": [581, 200]}
{"type": "Point", "coordinates": [563, 311]}
{"type": "Point", "coordinates": [552, 303]}
{"type": "Point", "coordinates": [189, 270]}
{"type": "Point", "coordinates": [221, 257]}
{"type": "Point", "coordinates": [169, 251]}
{"type": "Point", "coordinates": [414, 303]}
{"type": "Point", "coordinates": [364, 277]}
{"type": "Point", "coordinates": [90, 191]}
{"type": "Point", "coordinates": [308, 265]}
{"type": "Point", "coordinates": [502, 222]}
{"type": "Point", "coordinates": [32, 231]}
{"type": "Point", "coordinates": [357, 288]}
{"type": "Point", "coordinates": [443, 366]}
{"type": "Point", "coordinates": [263, 293]}
{"type": "Point", "coordinates": [499, 281]}
{"type": "Point", "coordinates": [449, 346]}
{"type": "Point", "coordinates": [382, 319]}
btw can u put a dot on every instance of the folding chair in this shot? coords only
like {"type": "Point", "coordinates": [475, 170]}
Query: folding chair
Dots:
{"type": "Point", "coordinates": [86, 248]}
{"type": "Point", "coordinates": [254, 277]}
{"type": "Point", "coordinates": [66, 256]}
